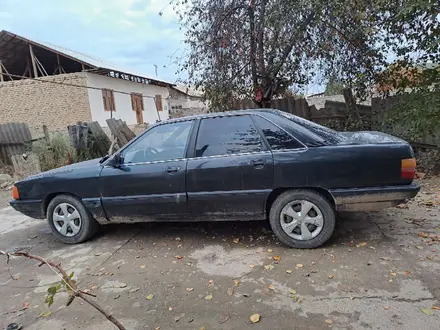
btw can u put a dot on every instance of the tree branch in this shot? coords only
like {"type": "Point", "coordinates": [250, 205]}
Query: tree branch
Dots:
{"type": "Point", "coordinates": [71, 284]}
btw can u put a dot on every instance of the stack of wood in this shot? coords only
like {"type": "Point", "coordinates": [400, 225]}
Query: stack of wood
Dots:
{"type": "Point", "coordinates": [120, 131]}
{"type": "Point", "coordinates": [88, 139]}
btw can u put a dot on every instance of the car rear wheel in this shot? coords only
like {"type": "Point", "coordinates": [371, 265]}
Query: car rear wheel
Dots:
{"type": "Point", "coordinates": [70, 221]}
{"type": "Point", "coordinates": [302, 219]}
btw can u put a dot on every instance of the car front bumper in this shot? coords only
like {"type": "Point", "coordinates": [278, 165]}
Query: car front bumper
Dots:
{"type": "Point", "coordinates": [372, 198]}
{"type": "Point", "coordinates": [31, 207]}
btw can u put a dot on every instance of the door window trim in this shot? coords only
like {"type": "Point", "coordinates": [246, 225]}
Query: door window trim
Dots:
{"type": "Point", "coordinates": [304, 147]}
{"type": "Point", "coordinates": [148, 130]}
{"type": "Point", "coordinates": [192, 153]}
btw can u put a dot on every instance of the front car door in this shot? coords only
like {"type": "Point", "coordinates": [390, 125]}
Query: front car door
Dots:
{"type": "Point", "coordinates": [230, 173]}
{"type": "Point", "coordinates": [150, 182]}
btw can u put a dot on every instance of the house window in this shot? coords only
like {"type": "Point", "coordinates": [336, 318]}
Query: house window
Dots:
{"type": "Point", "coordinates": [137, 103]}
{"type": "Point", "coordinates": [158, 101]}
{"type": "Point", "coordinates": [109, 100]}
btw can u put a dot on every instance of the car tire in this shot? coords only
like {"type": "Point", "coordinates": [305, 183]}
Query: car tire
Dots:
{"type": "Point", "coordinates": [296, 199]}
{"type": "Point", "coordinates": [79, 227]}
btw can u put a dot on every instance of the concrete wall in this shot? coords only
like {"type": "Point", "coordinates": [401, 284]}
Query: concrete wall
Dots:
{"type": "Point", "coordinates": [123, 106]}
{"type": "Point", "coordinates": [50, 103]}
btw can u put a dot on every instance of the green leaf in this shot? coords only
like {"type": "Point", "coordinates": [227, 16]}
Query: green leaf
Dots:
{"type": "Point", "coordinates": [150, 296]}
{"type": "Point", "coordinates": [52, 290]}
{"type": "Point", "coordinates": [71, 275]}
{"type": "Point", "coordinates": [50, 301]}
{"type": "Point", "coordinates": [427, 311]}
{"type": "Point", "coordinates": [45, 314]}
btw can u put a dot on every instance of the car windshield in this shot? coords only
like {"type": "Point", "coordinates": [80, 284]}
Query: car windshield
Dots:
{"type": "Point", "coordinates": [326, 133]}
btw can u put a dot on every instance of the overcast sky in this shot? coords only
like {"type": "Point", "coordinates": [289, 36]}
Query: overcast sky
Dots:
{"type": "Point", "coordinates": [129, 33]}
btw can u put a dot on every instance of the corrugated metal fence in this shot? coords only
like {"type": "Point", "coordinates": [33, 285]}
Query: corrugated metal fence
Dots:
{"type": "Point", "coordinates": [13, 139]}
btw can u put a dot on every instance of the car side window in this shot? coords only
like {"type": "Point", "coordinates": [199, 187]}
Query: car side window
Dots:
{"type": "Point", "coordinates": [277, 138]}
{"type": "Point", "coordinates": [227, 135]}
{"type": "Point", "coordinates": [164, 142]}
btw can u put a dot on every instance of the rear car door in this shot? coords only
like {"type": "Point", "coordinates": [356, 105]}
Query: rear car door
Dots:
{"type": "Point", "coordinates": [231, 172]}
{"type": "Point", "coordinates": [150, 182]}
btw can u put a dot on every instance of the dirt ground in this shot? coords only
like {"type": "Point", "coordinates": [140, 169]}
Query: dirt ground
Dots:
{"type": "Point", "coordinates": [379, 271]}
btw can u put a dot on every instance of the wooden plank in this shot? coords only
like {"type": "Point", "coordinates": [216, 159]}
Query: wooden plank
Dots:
{"type": "Point", "coordinates": [25, 165]}
{"type": "Point", "coordinates": [101, 141]}
{"type": "Point", "coordinates": [34, 64]}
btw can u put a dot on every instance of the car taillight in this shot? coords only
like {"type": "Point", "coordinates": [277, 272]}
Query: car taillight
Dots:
{"type": "Point", "coordinates": [15, 194]}
{"type": "Point", "coordinates": [408, 168]}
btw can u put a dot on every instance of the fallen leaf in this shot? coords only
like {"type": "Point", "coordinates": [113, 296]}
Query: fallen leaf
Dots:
{"type": "Point", "coordinates": [170, 308]}
{"type": "Point", "coordinates": [294, 298]}
{"type": "Point", "coordinates": [142, 266]}
{"type": "Point", "coordinates": [419, 247]}
{"type": "Point", "coordinates": [134, 290]}
{"type": "Point", "coordinates": [292, 291]}
{"type": "Point", "coordinates": [406, 273]}
{"type": "Point", "coordinates": [288, 271]}
{"type": "Point", "coordinates": [386, 307]}
{"type": "Point", "coordinates": [150, 296]}
{"type": "Point", "coordinates": [424, 235]}
{"type": "Point", "coordinates": [230, 291]}
{"type": "Point", "coordinates": [328, 321]}
{"type": "Point", "coordinates": [361, 244]}
{"type": "Point", "coordinates": [202, 328]}
{"type": "Point", "coordinates": [277, 258]}
{"type": "Point", "coordinates": [16, 277]}
{"type": "Point", "coordinates": [390, 280]}
{"type": "Point", "coordinates": [269, 250]}
{"type": "Point", "coordinates": [25, 305]}
{"type": "Point", "coordinates": [255, 318]}
{"type": "Point", "coordinates": [178, 257]}
{"type": "Point", "coordinates": [235, 282]}
{"type": "Point", "coordinates": [189, 289]}
{"type": "Point", "coordinates": [251, 265]}
{"type": "Point", "coordinates": [208, 297]}
{"type": "Point", "coordinates": [429, 257]}
{"type": "Point", "coordinates": [271, 287]}
{"type": "Point", "coordinates": [45, 314]}
{"type": "Point", "coordinates": [299, 265]}
{"type": "Point", "coordinates": [427, 311]}
{"type": "Point", "coordinates": [236, 240]}
{"type": "Point", "coordinates": [437, 308]}
{"type": "Point", "coordinates": [331, 276]}
{"type": "Point", "coordinates": [393, 274]}
{"type": "Point", "coordinates": [269, 267]}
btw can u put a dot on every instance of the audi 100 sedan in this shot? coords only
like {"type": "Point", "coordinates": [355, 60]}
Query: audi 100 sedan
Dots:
{"type": "Point", "coordinates": [238, 165]}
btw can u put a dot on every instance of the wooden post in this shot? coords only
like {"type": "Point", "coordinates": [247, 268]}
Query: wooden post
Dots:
{"type": "Point", "coordinates": [46, 133]}
{"type": "Point", "coordinates": [34, 65]}
{"type": "Point", "coordinates": [1, 71]}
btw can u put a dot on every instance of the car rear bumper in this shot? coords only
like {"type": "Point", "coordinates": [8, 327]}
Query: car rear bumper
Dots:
{"type": "Point", "coordinates": [372, 198]}
{"type": "Point", "coordinates": [31, 207]}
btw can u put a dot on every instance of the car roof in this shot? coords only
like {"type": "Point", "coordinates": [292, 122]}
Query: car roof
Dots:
{"type": "Point", "coordinates": [219, 114]}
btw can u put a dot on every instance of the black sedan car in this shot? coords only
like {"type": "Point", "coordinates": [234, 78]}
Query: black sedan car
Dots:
{"type": "Point", "coordinates": [240, 165]}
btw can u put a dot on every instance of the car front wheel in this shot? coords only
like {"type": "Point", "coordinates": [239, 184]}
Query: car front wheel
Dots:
{"type": "Point", "coordinates": [302, 219]}
{"type": "Point", "coordinates": [70, 221]}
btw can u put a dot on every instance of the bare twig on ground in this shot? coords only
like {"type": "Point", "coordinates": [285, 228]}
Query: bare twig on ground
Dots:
{"type": "Point", "coordinates": [69, 283]}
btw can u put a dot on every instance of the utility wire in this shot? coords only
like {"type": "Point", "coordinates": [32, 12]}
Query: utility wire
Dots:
{"type": "Point", "coordinates": [75, 85]}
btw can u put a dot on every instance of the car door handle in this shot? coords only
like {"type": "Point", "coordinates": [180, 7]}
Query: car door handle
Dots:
{"type": "Point", "coordinates": [259, 163]}
{"type": "Point", "coordinates": [172, 169]}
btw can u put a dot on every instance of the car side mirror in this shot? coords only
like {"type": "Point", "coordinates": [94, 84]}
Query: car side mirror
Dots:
{"type": "Point", "coordinates": [116, 160]}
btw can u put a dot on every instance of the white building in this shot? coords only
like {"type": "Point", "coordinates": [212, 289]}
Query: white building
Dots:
{"type": "Point", "coordinates": [43, 84]}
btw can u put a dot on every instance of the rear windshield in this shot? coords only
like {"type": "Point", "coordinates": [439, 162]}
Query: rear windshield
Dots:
{"type": "Point", "coordinates": [327, 134]}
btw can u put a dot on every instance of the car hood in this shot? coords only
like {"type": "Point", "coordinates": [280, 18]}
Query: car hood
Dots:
{"type": "Point", "coordinates": [88, 164]}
